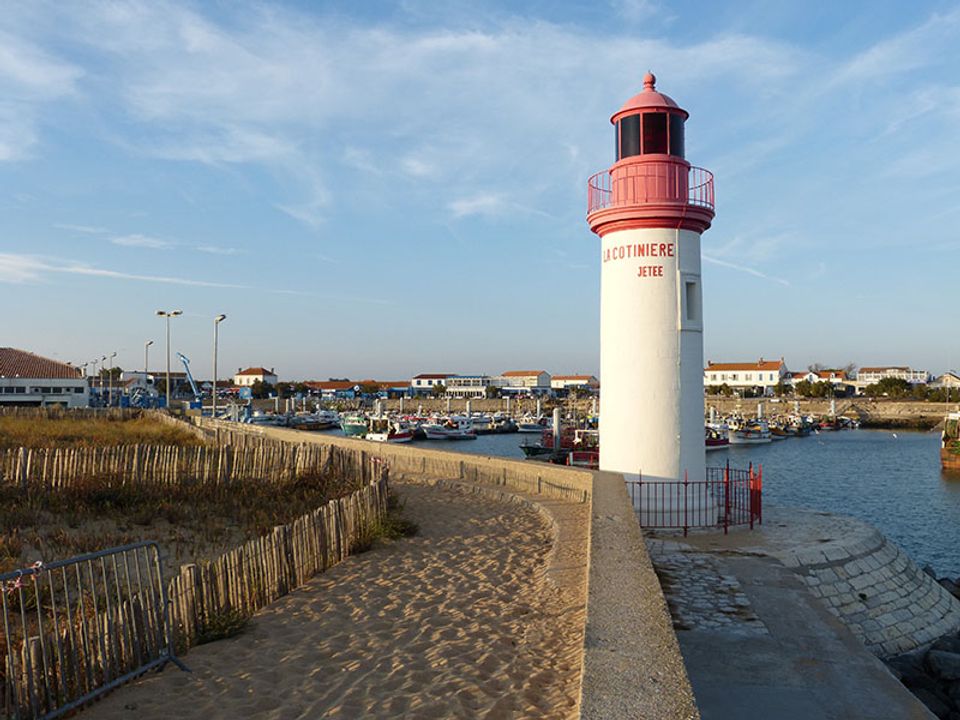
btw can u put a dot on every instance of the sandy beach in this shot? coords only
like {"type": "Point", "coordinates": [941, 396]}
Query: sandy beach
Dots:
{"type": "Point", "coordinates": [479, 616]}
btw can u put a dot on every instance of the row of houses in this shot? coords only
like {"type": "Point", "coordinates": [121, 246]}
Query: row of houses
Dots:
{"type": "Point", "coordinates": [27, 379]}
{"type": "Point", "coordinates": [763, 377]}
{"type": "Point", "coordinates": [511, 382]}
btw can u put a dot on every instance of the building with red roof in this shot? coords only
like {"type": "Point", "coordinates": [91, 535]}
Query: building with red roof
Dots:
{"type": "Point", "coordinates": [29, 380]}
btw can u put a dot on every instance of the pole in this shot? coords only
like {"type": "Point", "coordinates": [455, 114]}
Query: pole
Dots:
{"type": "Point", "coordinates": [213, 393]}
{"type": "Point", "coordinates": [168, 362]}
{"type": "Point", "coordinates": [216, 338]}
{"type": "Point", "coordinates": [110, 381]}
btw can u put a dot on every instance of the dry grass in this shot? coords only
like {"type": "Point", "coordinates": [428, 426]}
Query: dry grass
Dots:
{"type": "Point", "coordinates": [67, 432]}
{"type": "Point", "coordinates": [191, 522]}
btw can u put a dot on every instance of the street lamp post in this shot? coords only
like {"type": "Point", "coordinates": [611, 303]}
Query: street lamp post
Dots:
{"type": "Point", "coordinates": [216, 336]}
{"type": "Point", "coordinates": [102, 361]}
{"type": "Point", "coordinates": [110, 382]}
{"type": "Point", "coordinates": [168, 314]}
{"type": "Point", "coordinates": [93, 377]}
{"type": "Point", "coordinates": [146, 370]}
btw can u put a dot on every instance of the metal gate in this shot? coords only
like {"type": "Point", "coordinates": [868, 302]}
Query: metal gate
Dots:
{"type": "Point", "coordinates": [74, 629]}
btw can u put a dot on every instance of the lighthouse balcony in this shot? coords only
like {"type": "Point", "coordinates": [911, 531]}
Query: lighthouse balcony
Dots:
{"type": "Point", "coordinates": [650, 182]}
{"type": "Point", "coordinates": [653, 193]}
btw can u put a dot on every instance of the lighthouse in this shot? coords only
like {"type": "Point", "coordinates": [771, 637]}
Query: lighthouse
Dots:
{"type": "Point", "coordinates": [649, 210]}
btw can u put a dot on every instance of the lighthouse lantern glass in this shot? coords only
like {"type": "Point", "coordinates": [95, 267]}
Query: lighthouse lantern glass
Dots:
{"type": "Point", "coordinates": [676, 135]}
{"type": "Point", "coordinates": [652, 133]}
{"type": "Point", "coordinates": [629, 130]}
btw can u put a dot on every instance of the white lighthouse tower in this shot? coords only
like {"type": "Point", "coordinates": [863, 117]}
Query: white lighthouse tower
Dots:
{"type": "Point", "coordinates": [649, 210]}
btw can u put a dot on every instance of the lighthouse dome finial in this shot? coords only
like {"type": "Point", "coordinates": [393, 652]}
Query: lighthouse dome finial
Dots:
{"type": "Point", "coordinates": [649, 80]}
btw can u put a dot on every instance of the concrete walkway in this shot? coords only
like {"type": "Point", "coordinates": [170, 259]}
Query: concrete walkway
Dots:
{"type": "Point", "coordinates": [758, 644]}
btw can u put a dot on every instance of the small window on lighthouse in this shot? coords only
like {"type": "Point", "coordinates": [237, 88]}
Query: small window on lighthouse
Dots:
{"type": "Point", "coordinates": [690, 303]}
{"type": "Point", "coordinates": [693, 300]}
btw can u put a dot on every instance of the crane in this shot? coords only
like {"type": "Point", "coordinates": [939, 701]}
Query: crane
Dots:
{"type": "Point", "coordinates": [197, 397]}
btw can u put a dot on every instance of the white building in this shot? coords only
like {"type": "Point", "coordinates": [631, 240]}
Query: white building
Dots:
{"type": "Point", "coordinates": [838, 378]}
{"type": "Point", "coordinates": [535, 382]}
{"type": "Point", "coordinates": [424, 383]}
{"type": "Point", "coordinates": [468, 386]}
{"type": "Point", "coordinates": [761, 377]}
{"type": "Point", "coordinates": [577, 382]}
{"type": "Point", "coordinates": [30, 380]}
{"type": "Point", "coordinates": [872, 375]}
{"type": "Point", "coordinates": [949, 379]}
{"type": "Point", "coordinates": [246, 378]}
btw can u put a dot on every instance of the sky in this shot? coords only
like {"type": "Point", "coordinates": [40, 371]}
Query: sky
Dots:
{"type": "Point", "coordinates": [381, 189]}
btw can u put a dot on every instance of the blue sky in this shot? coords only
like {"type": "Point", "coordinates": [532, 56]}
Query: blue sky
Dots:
{"type": "Point", "coordinates": [380, 189]}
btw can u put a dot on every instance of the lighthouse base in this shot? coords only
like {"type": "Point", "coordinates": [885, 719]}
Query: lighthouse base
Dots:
{"type": "Point", "coordinates": [727, 497]}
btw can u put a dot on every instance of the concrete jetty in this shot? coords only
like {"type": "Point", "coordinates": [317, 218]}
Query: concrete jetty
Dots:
{"type": "Point", "coordinates": [789, 620]}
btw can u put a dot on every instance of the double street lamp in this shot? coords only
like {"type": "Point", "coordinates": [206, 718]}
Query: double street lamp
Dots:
{"type": "Point", "coordinates": [216, 335]}
{"type": "Point", "coordinates": [168, 314]}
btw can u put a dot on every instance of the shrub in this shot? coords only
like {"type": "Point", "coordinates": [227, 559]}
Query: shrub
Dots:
{"type": "Point", "coordinates": [222, 625]}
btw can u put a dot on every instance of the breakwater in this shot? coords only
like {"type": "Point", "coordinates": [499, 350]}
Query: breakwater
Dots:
{"type": "Point", "coordinates": [632, 666]}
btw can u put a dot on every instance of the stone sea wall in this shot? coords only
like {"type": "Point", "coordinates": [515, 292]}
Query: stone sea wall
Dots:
{"type": "Point", "coordinates": [872, 586]}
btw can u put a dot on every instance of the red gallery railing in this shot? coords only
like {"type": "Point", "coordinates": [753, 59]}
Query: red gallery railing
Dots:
{"type": "Point", "coordinates": [727, 497]}
{"type": "Point", "coordinates": [650, 182]}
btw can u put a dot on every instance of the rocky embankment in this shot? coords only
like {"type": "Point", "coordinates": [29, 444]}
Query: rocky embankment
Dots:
{"type": "Point", "coordinates": [932, 674]}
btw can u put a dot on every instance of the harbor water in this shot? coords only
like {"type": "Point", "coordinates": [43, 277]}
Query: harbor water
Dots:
{"type": "Point", "coordinates": [891, 480]}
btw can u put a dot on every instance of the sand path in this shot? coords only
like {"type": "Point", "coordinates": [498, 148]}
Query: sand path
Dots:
{"type": "Point", "coordinates": [463, 621]}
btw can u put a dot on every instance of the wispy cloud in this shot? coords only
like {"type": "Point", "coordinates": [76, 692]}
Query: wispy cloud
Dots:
{"type": "Point", "coordinates": [19, 269]}
{"type": "Point", "coordinates": [218, 250]}
{"type": "Point", "coordinates": [482, 204]}
{"type": "Point", "coordinates": [142, 241]}
{"type": "Point", "coordinates": [30, 78]}
{"type": "Point", "coordinates": [85, 229]}
{"type": "Point", "coordinates": [744, 269]}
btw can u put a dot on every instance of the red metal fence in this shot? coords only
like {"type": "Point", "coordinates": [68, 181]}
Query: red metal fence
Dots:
{"type": "Point", "coordinates": [727, 497]}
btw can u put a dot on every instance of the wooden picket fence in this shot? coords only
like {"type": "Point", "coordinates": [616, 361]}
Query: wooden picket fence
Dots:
{"type": "Point", "coordinates": [262, 570]}
{"type": "Point", "coordinates": [260, 459]}
{"type": "Point", "coordinates": [115, 639]}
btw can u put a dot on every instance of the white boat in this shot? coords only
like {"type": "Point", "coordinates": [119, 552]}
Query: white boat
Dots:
{"type": "Point", "coordinates": [531, 425]}
{"type": "Point", "coordinates": [481, 422]}
{"type": "Point", "coordinates": [750, 432]}
{"type": "Point", "coordinates": [269, 420]}
{"type": "Point", "coordinates": [320, 420]}
{"type": "Point", "coordinates": [453, 428]}
{"type": "Point", "coordinates": [381, 429]}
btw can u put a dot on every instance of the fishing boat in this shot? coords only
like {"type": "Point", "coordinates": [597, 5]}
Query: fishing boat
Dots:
{"type": "Point", "coordinates": [354, 425]}
{"type": "Point", "coordinates": [717, 437]}
{"type": "Point", "coordinates": [530, 425]}
{"type": "Point", "coordinates": [320, 420]}
{"type": "Point", "coordinates": [779, 432]}
{"type": "Point", "coordinates": [534, 450]}
{"type": "Point", "coordinates": [268, 420]}
{"type": "Point", "coordinates": [452, 428]}
{"type": "Point", "coordinates": [950, 442]}
{"type": "Point", "coordinates": [381, 429]}
{"type": "Point", "coordinates": [750, 432]}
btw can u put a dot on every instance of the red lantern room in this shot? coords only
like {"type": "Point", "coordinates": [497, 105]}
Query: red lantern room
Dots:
{"type": "Point", "coordinates": [651, 184]}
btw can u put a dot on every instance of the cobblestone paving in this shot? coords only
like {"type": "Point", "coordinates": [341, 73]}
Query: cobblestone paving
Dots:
{"type": "Point", "coordinates": [700, 596]}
